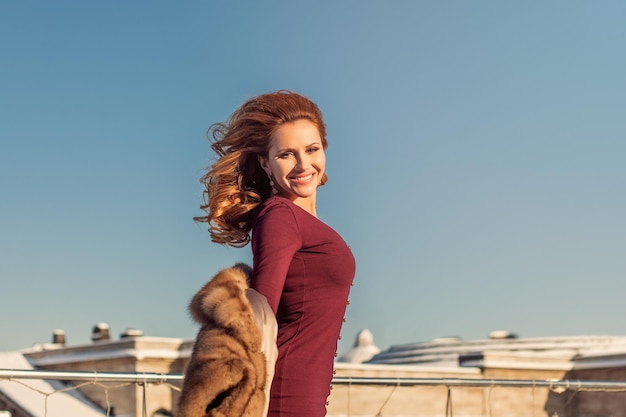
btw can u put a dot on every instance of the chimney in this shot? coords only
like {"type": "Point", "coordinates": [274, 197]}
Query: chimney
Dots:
{"type": "Point", "coordinates": [58, 337]}
{"type": "Point", "coordinates": [100, 333]}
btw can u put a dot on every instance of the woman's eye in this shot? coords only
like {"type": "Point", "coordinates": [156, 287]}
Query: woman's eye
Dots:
{"type": "Point", "coordinates": [285, 155]}
{"type": "Point", "coordinates": [313, 149]}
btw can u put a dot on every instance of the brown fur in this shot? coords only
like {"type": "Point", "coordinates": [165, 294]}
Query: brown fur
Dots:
{"type": "Point", "coordinates": [226, 373]}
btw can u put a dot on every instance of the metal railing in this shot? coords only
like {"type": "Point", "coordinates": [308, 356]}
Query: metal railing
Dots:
{"type": "Point", "coordinates": [157, 378]}
{"type": "Point", "coordinates": [145, 379]}
{"type": "Point", "coordinates": [95, 376]}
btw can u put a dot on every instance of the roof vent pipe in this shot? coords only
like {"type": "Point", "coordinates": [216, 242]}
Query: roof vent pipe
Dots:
{"type": "Point", "coordinates": [58, 337]}
{"type": "Point", "coordinates": [100, 333]}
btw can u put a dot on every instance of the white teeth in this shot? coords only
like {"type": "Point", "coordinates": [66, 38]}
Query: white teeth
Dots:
{"type": "Point", "coordinates": [308, 177]}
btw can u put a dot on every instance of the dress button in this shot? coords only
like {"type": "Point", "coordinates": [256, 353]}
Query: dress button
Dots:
{"type": "Point", "coordinates": [348, 302]}
{"type": "Point", "coordinates": [344, 319]}
{"type": "Point", "coordinates": [339, 338]}
{"type": "Point", "coordinates": [336, 354]}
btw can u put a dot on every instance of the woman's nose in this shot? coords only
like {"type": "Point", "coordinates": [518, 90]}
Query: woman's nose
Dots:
{"type": "Point", "coordinates": [303, 162]}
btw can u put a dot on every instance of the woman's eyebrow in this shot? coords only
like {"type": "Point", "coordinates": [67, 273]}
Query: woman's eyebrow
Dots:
{"type": "Point", "coordinates": [293, 149]}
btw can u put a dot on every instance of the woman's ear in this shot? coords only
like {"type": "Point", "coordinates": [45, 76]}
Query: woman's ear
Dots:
{"type": "Point", "coordinates": [263, 162]}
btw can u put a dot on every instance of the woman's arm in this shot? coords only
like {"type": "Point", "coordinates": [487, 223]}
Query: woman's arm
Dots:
{"type": "Point", "coordinates": [275, 240]}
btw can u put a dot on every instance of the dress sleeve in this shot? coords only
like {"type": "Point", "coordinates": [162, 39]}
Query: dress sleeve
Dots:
{"type": "Point", "coordinates": [275, 240]}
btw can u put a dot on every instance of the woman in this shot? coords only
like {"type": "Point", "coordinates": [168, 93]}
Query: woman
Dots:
{"type": "Point", "coordinates": [263, 189]}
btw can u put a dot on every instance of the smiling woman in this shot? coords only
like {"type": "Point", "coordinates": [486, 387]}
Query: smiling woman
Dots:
{"type": "Point", "coordinates": [263, 189]}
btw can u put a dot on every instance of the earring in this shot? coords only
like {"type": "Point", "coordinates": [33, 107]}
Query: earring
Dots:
{"type": "Point", "coordinates": [274, 192]}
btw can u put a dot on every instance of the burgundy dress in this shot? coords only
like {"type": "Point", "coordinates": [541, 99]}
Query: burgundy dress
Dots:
{"type": "Point", "coordinates": [305, 270]}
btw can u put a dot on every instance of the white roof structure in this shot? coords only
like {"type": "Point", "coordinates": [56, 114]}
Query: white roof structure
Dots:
{"type": "Point", "coordinates": [42, 398]}
{"type": "Point", "coordinates": [508, 351]}
{"type": "Point", "coordinates": [363, 350]}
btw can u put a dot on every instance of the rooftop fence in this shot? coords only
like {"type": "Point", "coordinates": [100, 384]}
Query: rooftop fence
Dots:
{"type": "Point", "coordinates": [105, 380]}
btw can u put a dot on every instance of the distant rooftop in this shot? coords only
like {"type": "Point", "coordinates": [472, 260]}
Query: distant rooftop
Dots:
{"type": "Point", "coordinates": [570, 352]}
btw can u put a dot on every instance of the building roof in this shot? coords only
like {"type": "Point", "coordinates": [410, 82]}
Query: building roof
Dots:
{"type": "Point", "coordinates": [27, 394]}
{"type": "Point", "coordinates": [134, 348]}
{"type": "Point", "coordinates": [508, 351]}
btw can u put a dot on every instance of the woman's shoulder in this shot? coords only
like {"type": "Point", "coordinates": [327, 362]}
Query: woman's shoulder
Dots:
{"type": "Point", "coordinates": [275, 202]}
{"type": "Point", "coordinates": [277, 213]}
{"type": "Point", "coordinates": [275, 206]}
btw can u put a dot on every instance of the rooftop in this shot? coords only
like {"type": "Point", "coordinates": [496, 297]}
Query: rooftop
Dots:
{"type": "Point", "coordinates": [504, 349]}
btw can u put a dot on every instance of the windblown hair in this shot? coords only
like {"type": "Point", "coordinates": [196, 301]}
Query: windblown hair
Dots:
{"type": "Point", "coordinates": [236, 185]}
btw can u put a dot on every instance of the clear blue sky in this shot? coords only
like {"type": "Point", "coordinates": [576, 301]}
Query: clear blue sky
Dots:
{"type": "Point", "coordinates": [476, 161]}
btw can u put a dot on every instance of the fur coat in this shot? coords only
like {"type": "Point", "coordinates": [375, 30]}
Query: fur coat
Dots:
{"type": "Point", "coordinates": [227, 373]}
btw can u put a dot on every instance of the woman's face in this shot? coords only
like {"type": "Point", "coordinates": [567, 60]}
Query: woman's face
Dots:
{"type": "Point", "coordinates": [296, 160]}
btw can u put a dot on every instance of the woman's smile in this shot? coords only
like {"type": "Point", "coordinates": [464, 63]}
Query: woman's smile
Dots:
{"type": "Point", "coordinates": [302, 179]}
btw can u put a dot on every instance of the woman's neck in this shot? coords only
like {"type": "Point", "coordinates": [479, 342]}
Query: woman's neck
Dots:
{"type": "Point", "coordinates": [306, 204]}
